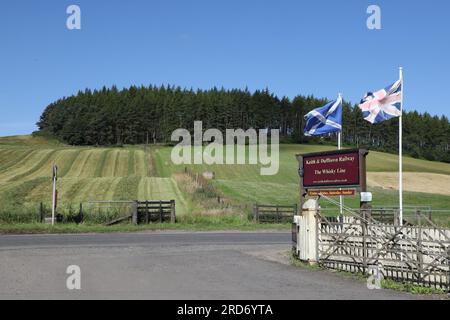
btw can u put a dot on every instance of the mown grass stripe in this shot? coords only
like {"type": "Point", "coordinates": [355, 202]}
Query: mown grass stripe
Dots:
{"type": "Point", "coordinates": [19, 162]}
{"type": "Point", "coordinates": [116, 164]}
{"type": "Point", "coordinates": [18, 196]}
{"type": "Point", "coordinates": [127, 189]}
{"type": "Point", "coordinates": [46, 168]}
{"type": "Point", "coordinates": [66, 161]}
{"type": "Point", "coordinates": [82, 167]}
{"type": "Point", "coordinates": [131, 163]}
{"type": "Point", "coordinates": [150, 161]}
{"type": "Point", "coordinates": [110, 191]}
{"type": "Point", "coordinates": [181, 204]}
{"type": "Point", "coordinates": [101, 163]}
{"type": "Point", "coordinates": [72, 189]}
{"type": "Point", "coordinates": [142, 189]}
{"type": "Point", "coordinates": [123, 163]}
{"type": "Point", "coordinates": [75, 167]}
{"type": "Point", "coordinates": [92, 189]}
{"type": "Point", "coordinates": [8, 157]}
{"type": "Point", "coordinates": [140, 165]}
{"type": "Point", "coordinates": [108, 169]}
{"type": "Point", "coordinates": [98, 188]}
{"type": "Point", "coordinates": [38, 166]}
{"type": "Point", "coordinates": [90, 165]}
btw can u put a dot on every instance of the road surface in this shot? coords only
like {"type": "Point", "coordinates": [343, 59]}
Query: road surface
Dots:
{"type": "Point", "coordinates": [228, 265]}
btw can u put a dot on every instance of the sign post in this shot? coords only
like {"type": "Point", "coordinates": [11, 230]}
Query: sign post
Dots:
{"type": "Point", "coordinates": [335, 173]}
{"type": "Point", "coordinates": [55, 178]}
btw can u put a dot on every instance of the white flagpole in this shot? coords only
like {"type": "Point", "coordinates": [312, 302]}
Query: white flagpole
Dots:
{"type": "Point", "coordinates": [400, 151]}
{"type": "Point", "coordinates": [54, 194]}
{"type": "Point", "coordinates": [341, 199]}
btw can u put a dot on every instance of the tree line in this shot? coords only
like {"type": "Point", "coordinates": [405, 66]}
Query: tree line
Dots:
{"type": "Point", "coordinates": [139, 115]}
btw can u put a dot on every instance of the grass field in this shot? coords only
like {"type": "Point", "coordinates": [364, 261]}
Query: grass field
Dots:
{"type": "Point", "coordinates": [136, 173]}
{"type": "Point", "coordinates": [85, 174]}
{"type": "Point", "coordinates": [244, 182]}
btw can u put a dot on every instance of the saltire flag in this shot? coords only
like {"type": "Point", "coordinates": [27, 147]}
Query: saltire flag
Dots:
{"type": "Point", "coordinates": [383, 105]}
{"type": "Point", "coordinates": [327, 119]}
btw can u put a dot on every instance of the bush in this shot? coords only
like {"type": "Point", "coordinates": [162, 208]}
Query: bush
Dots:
{"type": "Point", "coordinates": [10, 214]}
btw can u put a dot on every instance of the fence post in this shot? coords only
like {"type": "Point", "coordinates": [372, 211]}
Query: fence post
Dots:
{"type": "Point", "coordinates": [173, 218]}
{"type": "Point", "coordinates": [448, 274]}
{"type": "Point", "coordinates": [419, 248]}
{"type": "Point", "coordinates": [41, 212]}
{"type": "Point", "coordinates": [278, 215]}
{"type": "Point", "coordinates": [147, 213]}
{"type": "Point", "coordinates": [80, 214]}
{"type": "Point", "coordinates": [364, 229]}
{"type": "Point", "coordinates": [161, 218]}
{"type": "Point", "coordinates": [397, 221]}
{"type": "Point", "coordinates": [134, 213]}
{"type": "Point", "coordinates": [256, 213]}
{"type": "Point", "coordinates": [294, 231]}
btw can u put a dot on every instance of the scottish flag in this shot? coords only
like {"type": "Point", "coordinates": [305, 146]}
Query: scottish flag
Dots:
{"type": "Point", "coordinates": [326, 119]}
{"type": "Point", "coordinates": [383, 105]}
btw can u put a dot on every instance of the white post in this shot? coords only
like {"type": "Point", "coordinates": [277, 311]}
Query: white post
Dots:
{"type": "Point", "coordinates": [341, 199]}
{"type": "Point", "coordinates": [400, 151]}
{"type": "Point", "coordinates": [54, 194]}
{"type": "Point", "coordinates": [308, 232]}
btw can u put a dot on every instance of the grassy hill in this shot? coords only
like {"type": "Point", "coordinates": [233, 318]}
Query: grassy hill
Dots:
{"type": "Point", "coordinates": [135, 172]}
{"type": "Point", "coordinates": [85, 174]}
{"type": "Point", "coordinates": [244, 182]}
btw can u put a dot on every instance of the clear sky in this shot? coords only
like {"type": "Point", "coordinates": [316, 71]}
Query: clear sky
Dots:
{"type": "Point", "coordinates": [318, 47]}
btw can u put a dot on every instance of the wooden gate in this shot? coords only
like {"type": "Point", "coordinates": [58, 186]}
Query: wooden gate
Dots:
{"type": "Point", "coordinates": [274, 213]}
{"type": "Point", "coordinates": [358, 243]}
{"type": "Point", "coordinates": [154, 212]}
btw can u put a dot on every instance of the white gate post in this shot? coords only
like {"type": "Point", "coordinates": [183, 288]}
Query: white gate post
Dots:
{"type": "Point", "coordinates": [307, 245]}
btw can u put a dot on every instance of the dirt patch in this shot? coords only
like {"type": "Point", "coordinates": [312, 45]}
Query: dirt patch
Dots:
{"type": "Point", "coordinates": [280, 255]}
{"type": "Point", "coordinates": [412, 181]}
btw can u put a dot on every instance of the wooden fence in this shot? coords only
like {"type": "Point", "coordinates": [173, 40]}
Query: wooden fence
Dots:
{"type": "Point", "coordinates": [274, 213]}
{"type": "Point", "coordinates": [138, 212]}
{"type": "Point", "coordinates": [391, 215]}
{"type": "Point", "coordinates": [384, 216]}
{"type": "Point", "coordinates": [146, 212]}
{"type": "Point", "coordinates": [413, 254]}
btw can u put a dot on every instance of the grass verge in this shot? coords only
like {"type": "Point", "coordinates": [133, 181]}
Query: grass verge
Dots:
{"type": "Point", "coordinates": [185, 223]}
{"type": "Point", "coordinates": [385, 284]}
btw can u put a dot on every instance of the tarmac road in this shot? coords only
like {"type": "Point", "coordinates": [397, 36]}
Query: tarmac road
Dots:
{"type": "Point", "coordinates": [176, 265]}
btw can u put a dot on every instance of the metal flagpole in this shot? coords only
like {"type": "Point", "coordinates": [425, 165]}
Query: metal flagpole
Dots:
{"type": "Point", "coordinates": [400, 151]}
{"type": "Point", "coordinates": [341, 199]}
{"type": "Point", "coordinates": [55, 173]}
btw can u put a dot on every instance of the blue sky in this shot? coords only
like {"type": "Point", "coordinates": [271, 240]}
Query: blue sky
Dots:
{"type": "Point", "coordinates": [318, 47]}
